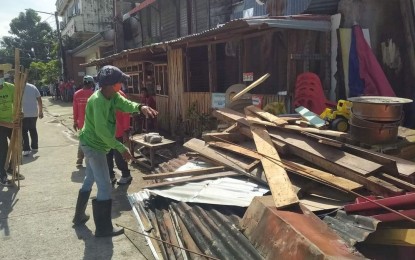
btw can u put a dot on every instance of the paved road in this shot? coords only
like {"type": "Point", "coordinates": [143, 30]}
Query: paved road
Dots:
{"type": "Point", "coordinates": [35, 221]}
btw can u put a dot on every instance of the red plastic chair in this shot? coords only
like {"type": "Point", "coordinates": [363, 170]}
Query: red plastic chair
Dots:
{"type": "Point", "coordinates": [309, 93]}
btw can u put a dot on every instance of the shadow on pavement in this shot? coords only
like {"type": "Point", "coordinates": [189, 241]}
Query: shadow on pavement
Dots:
{"type": "Point", "coordinates": [78, 176]}
{"type": "Point", "coordinates": [120, 201]}
{"type": "Point", "coordinates": [7, 202]}
{"type": "Point", "coordinates": [59, 102]}
{"type": "Point", "coordinates": [95, 248]}
{"type": "Point", "coordinates": [29, 158]}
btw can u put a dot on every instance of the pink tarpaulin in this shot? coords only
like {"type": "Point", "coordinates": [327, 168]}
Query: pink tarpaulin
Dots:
{"type": "Point", "coordinates": [371, 73]}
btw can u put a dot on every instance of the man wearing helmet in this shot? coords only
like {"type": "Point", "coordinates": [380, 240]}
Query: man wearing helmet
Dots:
{"type": "Point", "coordinates": [97, 138]}
{"type": "Point", "coordinates": [80, 99]}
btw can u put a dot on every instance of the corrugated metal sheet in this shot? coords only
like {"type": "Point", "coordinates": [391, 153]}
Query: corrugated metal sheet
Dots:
{"type": "Point", "coordinates": [201, 13]}
{"type": "Point", "coordinates": [213, 229]}
{"type": "Point", "coordinates": [220, 12]}
{"type": "Point", "coordinates": [183, 18]}
{"type": "Point", "coordinates": [249, 6]}
{"type": "Point", "coordinates": [322, 7]}
{"type": "Point", "coordinates": [168, 20]}
{"type": "Point", "coordinates": [222, 191]}
{"type": "Point", "coordinates": [155, 25]}
{"type": "Point", "coordinates": [308, 22]}
{"type": "Point", "coordinates": [352, 228]}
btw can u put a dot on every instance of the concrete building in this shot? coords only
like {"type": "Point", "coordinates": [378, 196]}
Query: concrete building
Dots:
{"type": "Point", "coordinates": [91, 23]}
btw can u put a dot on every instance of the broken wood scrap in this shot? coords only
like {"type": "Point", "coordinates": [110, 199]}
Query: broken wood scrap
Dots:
{"type": "Point", "coordinates": [396, 181]}
{"type": "Point", "coordinates": [315, 131]}
{"type": "Point", "coordinates": [230, 137]}
{"type": "Point", "coordinates": [296, 168]}
{"type": "Point", "coordinates": [184, 173]}
{"type": "Point", "coordinates": [267, 116]}
{"type": "Point", "coordinates": [345, 160]}
{"type": "Point", "coordinates": [311, 152]}
{"type": "Point", "coordinates": [251, 86]}
{"type": "Point", "coordinates": [193, 179]}
{"type": "Point", "coordinates": [277, 178]}
{"type": "Point", "coordinates": [228, 161]}
{"type": "Point", "coordinates": [232, 128]}
{"type": "Point", "coordinates": [324, 140]}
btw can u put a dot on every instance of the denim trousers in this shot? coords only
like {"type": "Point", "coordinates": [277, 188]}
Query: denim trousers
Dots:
{"type": "Point", "coordinates": [96, 171]}
{"type": "Point", "coordinates": [29, 127]}
{"type": "Point", "coordinates": [122, 165]}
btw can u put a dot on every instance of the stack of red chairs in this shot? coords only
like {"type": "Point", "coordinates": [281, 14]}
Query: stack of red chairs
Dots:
{"type": "Point", "coordinates": [309, 93]}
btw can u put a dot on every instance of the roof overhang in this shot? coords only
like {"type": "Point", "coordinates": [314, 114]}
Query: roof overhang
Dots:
{"type": "Point", "coordinates": [102, 39]}
{"type": "Point", "coordinates": [225, 32]}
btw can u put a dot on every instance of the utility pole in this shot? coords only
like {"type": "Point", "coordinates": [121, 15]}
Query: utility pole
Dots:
{"type": "Point", "coordinates": [119, 31]}
{"type": "Point", "coordinates": [62, 51]}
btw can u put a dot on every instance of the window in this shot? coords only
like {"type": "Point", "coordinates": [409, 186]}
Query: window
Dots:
{"type": "Point", "coordinates": [198, 69]}
{"type": "Point", "coordinates": [160, 79]}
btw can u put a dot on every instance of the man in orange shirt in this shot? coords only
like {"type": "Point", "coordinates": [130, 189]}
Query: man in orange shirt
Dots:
{"type": "Point", "coordinates": [79, 103]}
{"type": "Point", "coordinates": [122, 135]}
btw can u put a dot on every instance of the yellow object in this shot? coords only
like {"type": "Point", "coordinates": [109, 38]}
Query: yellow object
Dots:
{"type": "Point", "coordinates": [275, 108]}
{"type": "Point", "coordinates": [338, 118]}
{"type": "Point", "coordinates": [402, 237]}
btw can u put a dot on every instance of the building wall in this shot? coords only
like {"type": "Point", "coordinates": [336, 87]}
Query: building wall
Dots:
{"type": "Point", "coordinates": [90, 16]}
{"type": "Point", "coordinates": [73, 69]}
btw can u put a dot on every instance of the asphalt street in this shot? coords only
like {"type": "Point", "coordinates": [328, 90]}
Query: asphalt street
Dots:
{"type": "Point", "coordinates": [36, 220]}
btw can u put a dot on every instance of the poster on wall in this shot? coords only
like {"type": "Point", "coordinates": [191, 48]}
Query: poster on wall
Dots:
{"type": "Point", "coordinates": [218, 100]}
{"type": "Point", "coordinates": [248, 76]}
{"type": "Point", "coordinates": [257, 100]}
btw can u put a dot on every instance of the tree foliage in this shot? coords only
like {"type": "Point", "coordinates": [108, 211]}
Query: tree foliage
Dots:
{"type": "Point", "coordinates": [36, 39]}
{"type": "Point", "coordinates": [44, 73]}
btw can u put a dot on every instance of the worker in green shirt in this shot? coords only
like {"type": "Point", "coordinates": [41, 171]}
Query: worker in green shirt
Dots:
{"type": "Point", "coordinates": [6, 125]}
{"type": "Point", "coordinates": [97, 137]}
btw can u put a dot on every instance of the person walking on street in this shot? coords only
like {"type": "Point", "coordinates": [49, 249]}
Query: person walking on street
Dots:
{"type": "Point", "coordinates": [32, 109]}
{"type": "Point", "coordinates": [6, 126]}
{"type": "Point", "coordinates": [97, 138]}
{"type": "Point", "coordinates": [122, 135]}
{"type": "Point", "coordinates": [79, 103]}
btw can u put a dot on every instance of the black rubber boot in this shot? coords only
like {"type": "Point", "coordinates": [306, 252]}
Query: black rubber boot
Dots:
{"type": "Point", "coordinates": [80, 216]}
{"type": "Point", "coordinates": [102, 218]}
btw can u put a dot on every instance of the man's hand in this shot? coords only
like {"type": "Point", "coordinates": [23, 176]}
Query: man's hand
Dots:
{"type": "Point", "coordinates": [126, 155]}
{"type": "Point", "coordinates": [40, 114]}
{"type": "Point", "coordinates": [75, 126]}
{"type": "Point", "coordinates": [17, 124]}
{"type": "Point", "coordinates": [148, 111]}
{"type": "Point", "coordinates": [125, 137]}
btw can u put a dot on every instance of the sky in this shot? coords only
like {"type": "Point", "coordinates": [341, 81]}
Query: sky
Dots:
{"type": "Point", "coordinates": [10, 9]}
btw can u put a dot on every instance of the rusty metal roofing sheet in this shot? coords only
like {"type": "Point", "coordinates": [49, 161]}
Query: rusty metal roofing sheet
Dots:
{"type": "Point", "coordinates": [300, 22]}
{"type": "Point", "coordinates": [352, 228]}
{"type": "Point", "coordinates": [213, 230]}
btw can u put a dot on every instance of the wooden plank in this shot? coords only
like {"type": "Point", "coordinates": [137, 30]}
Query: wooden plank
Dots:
{"type": "Point", "coordinates": [200, 147]}
{"type": "Point", "coordinates": [397, 182]}
{"type": "Point", "coordinates": [236, 149]}
{"type": "Point", "coordinates": [193, 179]}
{"type": "Point", "coordinates": [230, 137]}
{"type": "Point", "coordinates": [233, 128]}
{"type": "Point", "coordinates": [253, 85]}
{"type": "Point", "coordinates": [315, 131]}
{"type": "Point", "coordinates": [229, 115]}
{"type": "Point", "coordinates": [267, 116]}
{"type": "Point", "coordinates": [294, 167]}
{"type": "Point", "coordinates": [311, 117]}
{"type": "Point", "coordinates": [322, 175]}
{"type": "Point", "coordinates": [184, 173]}
{"type": "Point", "coordinates": [347, 161]}
{"type": "Point", "coordinates": [278, 181]}
{"type": "Point", "coordinates": [392, 236]}
{"type": "Point", "coordinates": [372, 183]}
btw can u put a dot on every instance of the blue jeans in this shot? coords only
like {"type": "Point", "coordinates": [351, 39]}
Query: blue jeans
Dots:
{"type": "Point", "coordinates": [96, 171]}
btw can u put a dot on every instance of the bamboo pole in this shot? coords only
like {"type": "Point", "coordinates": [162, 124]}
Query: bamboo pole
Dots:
{"type": "Point", "coordinates": [14, 153]}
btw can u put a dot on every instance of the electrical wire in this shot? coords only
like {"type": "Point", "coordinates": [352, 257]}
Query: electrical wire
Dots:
{"type": "Point", "coordinates": [168, 243]}
{"type": "Point", "coordinates": [281, 164]}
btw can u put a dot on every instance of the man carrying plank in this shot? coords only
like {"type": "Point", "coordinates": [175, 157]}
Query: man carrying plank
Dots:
{"type": "Point", "coordinates": [97, 138]}
{"type": "Point", "coordinates": [6, 125]}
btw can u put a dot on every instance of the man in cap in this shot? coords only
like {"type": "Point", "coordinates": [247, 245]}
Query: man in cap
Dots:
{"type": "Point", "coordinates": [79, 104]}
{"type": "Point", "coordinates": [97, 138]}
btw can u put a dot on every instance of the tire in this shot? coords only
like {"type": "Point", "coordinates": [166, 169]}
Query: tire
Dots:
{"type": "Point", "coordinates": [340, 124]}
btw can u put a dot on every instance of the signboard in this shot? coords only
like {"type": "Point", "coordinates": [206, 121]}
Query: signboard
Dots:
{"type": "Point", "coordinates": [248, 76]}
{"type": "Point", "coordinates": [257, 100]}
{"type": "Point", "coordinates": [218, 100]}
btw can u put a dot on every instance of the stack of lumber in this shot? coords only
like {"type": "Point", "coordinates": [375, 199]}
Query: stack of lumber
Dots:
{"type": "Point", "coordinates": [270, 150]}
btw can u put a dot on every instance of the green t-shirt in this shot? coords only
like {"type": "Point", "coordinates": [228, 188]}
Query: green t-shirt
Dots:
{"type": "Point", "coordinates": [100, 122]}
{"type": "Point", "coordinates": [6, 102]}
